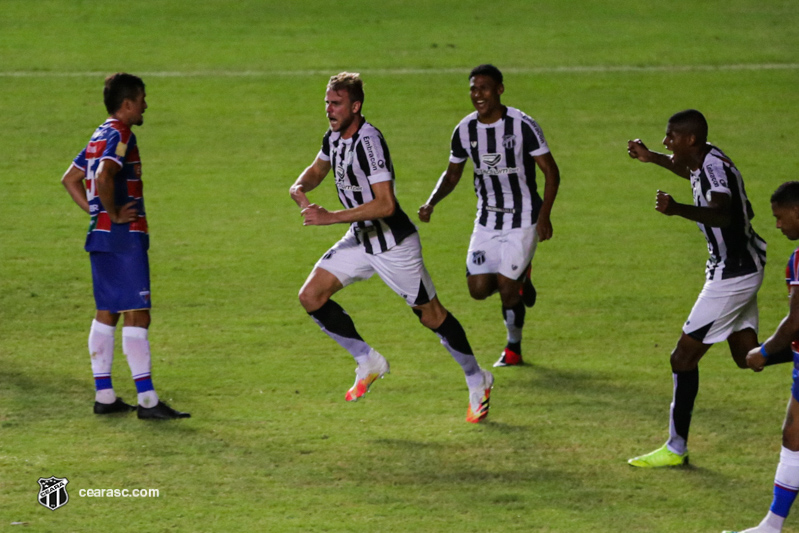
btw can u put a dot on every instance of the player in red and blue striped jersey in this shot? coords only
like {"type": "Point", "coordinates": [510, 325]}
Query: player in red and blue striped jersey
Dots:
{"type": "Point", "coordinates": [785, 207]}
{"type": "Point", "coordinates": [117, 242]}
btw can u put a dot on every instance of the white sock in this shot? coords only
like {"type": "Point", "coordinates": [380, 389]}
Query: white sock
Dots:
{"type": "Point", "coordinates": [101, 352]}
{"type": "Point", "coordinates": [137, 350]}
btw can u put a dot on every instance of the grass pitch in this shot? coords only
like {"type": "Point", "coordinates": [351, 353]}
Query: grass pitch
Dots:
{"type": "Point", "coordinates": [236, 112]}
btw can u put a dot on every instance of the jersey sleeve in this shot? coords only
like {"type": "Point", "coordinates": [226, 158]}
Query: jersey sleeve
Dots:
{"type": "Point", "coordinates": [324, 152]}
{"type": "Point", "coordinates": [792, 270]}
{"type": "Point", "coordinates": [375, 159]}
{"type": "Point", "coordinates": [80, 160]}
{"type": "Point", "coordinates": [457, 153]}
{"type": "Point", "coordinates": [533, 138]}
{"type": "Point", "coordinates": [116, 148]}
{"type": "Point", "coordinates": [716, 177]}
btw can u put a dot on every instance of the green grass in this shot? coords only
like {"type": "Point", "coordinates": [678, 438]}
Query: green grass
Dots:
{"type": "Point", "coordinates": [272, 446]}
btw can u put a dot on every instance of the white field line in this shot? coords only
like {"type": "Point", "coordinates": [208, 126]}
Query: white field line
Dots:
{"type": "Point", "coordinates": [410, 71]}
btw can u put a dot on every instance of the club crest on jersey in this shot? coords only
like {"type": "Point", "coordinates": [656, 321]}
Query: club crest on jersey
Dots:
{"type": "Point", "coordinates": [53, 492]}
{"type": "Point", "coordinates": [478, 257]}
{"type": "Point", "coordinates": [509, 141]}
{"type": "Point", "coordinates": [491, 160]}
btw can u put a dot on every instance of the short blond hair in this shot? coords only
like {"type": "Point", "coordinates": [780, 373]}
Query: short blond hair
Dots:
{"type": "Point", "coordinates": [350, 82]}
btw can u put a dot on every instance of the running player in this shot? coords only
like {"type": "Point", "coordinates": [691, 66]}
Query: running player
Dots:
{"type": "Point", "coordinates": [381, 239]}
{"type": "Point", "coordinates": [785, 207]}
{"type": "Point", "coordinates": [727, 306]}
{"type": "Point", "coordinates": [505, 145]}
{"type": "Point", "coordinates": [117, 243]}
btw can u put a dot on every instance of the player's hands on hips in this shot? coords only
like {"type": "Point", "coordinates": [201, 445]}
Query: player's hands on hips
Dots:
{"type": "Point", "coordinates": [638, 150]}
{"type": "Point", "coordinates": [755, 360]}
{"type": "Point", "coordinates": [125, 214]}
{"type": "Point", "coordinates": [425, 212]}
{"type": "Point", "coordinates": [316, 215]}
{"type": "Point", "coordinates": [544, 227]}
{"type": "Point", "coordinates": [665, 203]}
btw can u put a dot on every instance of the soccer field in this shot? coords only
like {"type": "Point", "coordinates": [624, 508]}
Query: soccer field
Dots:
{"type": "Point", "coordinates": [235, 93]}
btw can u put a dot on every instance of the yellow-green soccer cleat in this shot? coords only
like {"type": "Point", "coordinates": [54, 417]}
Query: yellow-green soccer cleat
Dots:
{"type": "Point", "coordinates": [659, 458]}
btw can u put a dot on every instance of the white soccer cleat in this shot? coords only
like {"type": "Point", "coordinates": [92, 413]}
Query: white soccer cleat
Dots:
{"type": "Point", "coordinates": [376, 367]}
{"type": "Point", "coordinates": [479, 398]}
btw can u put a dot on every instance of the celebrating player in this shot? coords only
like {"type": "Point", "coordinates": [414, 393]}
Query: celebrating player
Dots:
{"type": "Point", "coordinates": [381, 239]}
{"type": "Point", "coordinates": [727, 306]}
{"type": "Point", "coordinates": [117, 243]}
{"type": "Point", "coordinates": [785, 207]}
{"type": "Point", "coordinates": [505, 145]}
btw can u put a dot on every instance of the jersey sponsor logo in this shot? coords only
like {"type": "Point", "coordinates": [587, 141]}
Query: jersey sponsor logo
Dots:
{"type": "Point", "coordinates": [499, 209]}
{"type": "Point", "coordinates": [491, 160]}
{"type": "Point", "coordinates": [478, 257]}
{"type": "Point", "coordinates": [474, 144]}
{"type": "Point", "coordinates": [509, 142]}
{"type": "Point", "coordinates": [341, 182]}
{"type": "Point", "coordinates": [122, 149]}
{"type": "Point", "coordinates": [374, 163]}
{"type": "Point", "coordinates": [496, 171]}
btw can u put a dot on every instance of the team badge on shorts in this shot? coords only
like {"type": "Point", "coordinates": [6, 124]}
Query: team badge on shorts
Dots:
{"type": "Point", "coordinates": [478, 257]}
{"type": "Point", "coordinates": [145, 296]}
{"type": "Point", "coordinates": [53, 492]}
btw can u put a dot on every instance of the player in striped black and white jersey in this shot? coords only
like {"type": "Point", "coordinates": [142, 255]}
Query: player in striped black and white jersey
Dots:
{"type": "Point", "coordinates": [381, 239]}
{"type": "Point", "coordinates": [727, 306]}
{"type": "Point", "coordinates": [505, 146]}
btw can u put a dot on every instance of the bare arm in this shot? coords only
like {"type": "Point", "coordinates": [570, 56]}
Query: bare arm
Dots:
{"type": "Point", "coordinates": [309, 179]}
{"type": "Point", "coordinates": [73, 183]}
{"type": "Point", "coordinates": [781, 340]}
{"type": "Point", "coordinates": [383, 205]}
{"type": "Point", "coordinates": [638, 150]}
{"type": "Point", "coordinates": [446, 184]}
{"type": "Point", "coordinates": [716, 214]}
{"type": "Point", "coordinates": [105, 190]}
{"type": "Point", "coordinates": [551, 172]}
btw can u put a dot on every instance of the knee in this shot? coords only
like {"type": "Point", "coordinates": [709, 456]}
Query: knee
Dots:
{"type": "Point", "coordinates": [790, 441]}
{"type": "Point", "coordinates": [681, 361]}
{"type": "Point", "coordinates": [310, 300]}
{"type": "Point", "coordinates": [478, 293]}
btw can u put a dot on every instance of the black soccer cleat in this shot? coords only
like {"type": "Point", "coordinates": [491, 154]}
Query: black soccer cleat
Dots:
{"type": "Point", "coordinates": [117, 407]}
{"type": "Point", "coordinates": [161, 411]}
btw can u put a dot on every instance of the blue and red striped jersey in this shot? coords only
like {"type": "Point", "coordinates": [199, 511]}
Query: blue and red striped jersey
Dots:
{"type": "Point", "coordinates": [114, 141]}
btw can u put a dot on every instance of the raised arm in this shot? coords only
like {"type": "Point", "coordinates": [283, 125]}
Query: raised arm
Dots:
{"type": "Point", "coordinates": [638, 150]}
{"type": "Point", "coordinates": [716, 214]}
{"type": "Point", "coordinates": [383, 205]}
{"type": "Point", "coordinates": [73, 183]}
{"type": "Point", "coordinates": [309, 179]}
{"type": "Point", "coordinates": [446, 184]}
{"type": "Point", "coordinates": [551, 172]}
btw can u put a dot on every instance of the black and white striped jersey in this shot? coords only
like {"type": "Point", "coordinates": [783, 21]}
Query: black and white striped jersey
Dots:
{"type": "Point", "coordinates": [504, 168]}
{"type": "Point", "coordinates": [357, 163]}
{"type": "Point", "coordinates": [735, 250]}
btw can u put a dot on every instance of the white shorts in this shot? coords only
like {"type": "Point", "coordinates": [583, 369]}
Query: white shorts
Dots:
{"type": "Point", "coordinates": [724, 307]}
{"type": "Point", "coordinates": [505, 252]}
{"type": "Point", "coordinates": [401, 268]}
